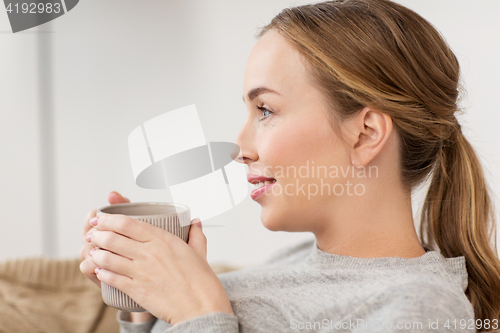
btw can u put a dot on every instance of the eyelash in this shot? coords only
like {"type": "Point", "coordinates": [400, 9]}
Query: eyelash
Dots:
{"type": "Point", "coordinates": [263, 109]}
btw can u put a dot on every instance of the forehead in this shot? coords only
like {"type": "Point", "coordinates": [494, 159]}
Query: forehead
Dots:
{"type": "Point", "coordinates": [275, 64]}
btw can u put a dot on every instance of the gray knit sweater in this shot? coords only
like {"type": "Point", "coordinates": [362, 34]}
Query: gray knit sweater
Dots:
{"type": "Point", "coordinates": [303, 289]}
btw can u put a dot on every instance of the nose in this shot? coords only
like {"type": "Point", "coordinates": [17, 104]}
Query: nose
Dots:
{"type": "Point", "coordinates": [246, 141]}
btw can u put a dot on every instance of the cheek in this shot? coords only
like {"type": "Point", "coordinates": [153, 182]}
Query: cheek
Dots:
{"type": "Point", "coordinates": [295, 142]}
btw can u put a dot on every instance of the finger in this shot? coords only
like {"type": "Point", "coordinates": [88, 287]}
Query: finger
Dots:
{"type": "Point", "coordinates": [197, 240]}
{"type": "Point", "coordinates": [121, 282]}
{"type": "Point", "coordinates": [126, 226]}
{"type": "Point", "coordinates": [88, 235]}
{"type": "Point", "coordinates": [86, 225]}
{"type": "Point", "coordinates": [116, 243]}
{"type": "Point", "coordinates": [87, 245]}
{"type": "Point", "coordinates": [113, 262]}
{"type": "Point", "coordinates": [87, 267]}
{"type": "Point", "coordinates": [84, 251]}
{"type": "Point", "coordinates": [115, 197]}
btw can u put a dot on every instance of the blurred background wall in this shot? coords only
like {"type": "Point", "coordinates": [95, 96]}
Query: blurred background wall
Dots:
{"type": "Point", "coordinates": [73, 89]}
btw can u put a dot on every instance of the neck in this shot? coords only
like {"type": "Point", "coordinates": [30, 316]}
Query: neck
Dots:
{"type": "Point", "coordinates": [372, 226]}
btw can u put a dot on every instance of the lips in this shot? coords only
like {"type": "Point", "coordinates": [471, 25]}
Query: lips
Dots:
{"type": "Point", "coordinates": [262, 184]}
{"type": "Point", "coordinates": [253, 179]}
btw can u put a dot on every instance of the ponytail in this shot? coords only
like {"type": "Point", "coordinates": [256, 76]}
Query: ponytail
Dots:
{"type": "Point", "coordinates": [458, 217]}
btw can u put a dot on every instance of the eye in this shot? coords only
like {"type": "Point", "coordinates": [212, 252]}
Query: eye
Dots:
{"type": "Point", "coordinates": [264, 112]}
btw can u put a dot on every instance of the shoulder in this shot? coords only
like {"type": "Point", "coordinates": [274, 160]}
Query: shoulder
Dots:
{"type": "Point", "coordinates": [287, 255]}
{"type": "Point", "coordinates": [423, 297]}
{"type": "Point", "coordinates": [291, 253]}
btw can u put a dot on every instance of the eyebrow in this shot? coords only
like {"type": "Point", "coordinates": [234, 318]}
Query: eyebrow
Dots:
{"type": "Point", "coordinates": [258, 91]}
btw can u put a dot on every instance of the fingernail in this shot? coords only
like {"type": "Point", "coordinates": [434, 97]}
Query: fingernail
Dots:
{"type": "Point", "coordinates": [91, 251]}
{"type": "Point", "coordinates": [93, 221]}
{"type": "Point", "coordinates": [89, 237]}
{"type": "Point", "coordinates": [197, 221]}
{"type": "Point", "coordinates": [97, 270]}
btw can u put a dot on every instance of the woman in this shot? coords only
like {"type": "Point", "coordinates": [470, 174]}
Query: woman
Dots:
{"type": "Point", "coordinates": [364, 93]}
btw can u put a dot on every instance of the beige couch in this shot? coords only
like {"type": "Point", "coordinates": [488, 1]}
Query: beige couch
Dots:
{"type": "Point", "coordinates": [48, 295]}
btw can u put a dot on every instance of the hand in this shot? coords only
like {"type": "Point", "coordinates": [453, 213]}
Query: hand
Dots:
{"type": "Point", "coordinates": [87, 266]}
{"type": "Point", "coordinates": [167, 276]}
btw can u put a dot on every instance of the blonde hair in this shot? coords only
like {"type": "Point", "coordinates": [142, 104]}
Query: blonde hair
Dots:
{"type": "Point", "coordinates": [378, 53]}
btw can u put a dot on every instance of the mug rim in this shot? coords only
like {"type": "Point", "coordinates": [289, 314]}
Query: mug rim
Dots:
{"type": "Point", "coordinates": [125, 204]}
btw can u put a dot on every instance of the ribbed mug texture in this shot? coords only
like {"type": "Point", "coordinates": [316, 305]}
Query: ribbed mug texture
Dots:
{"type": "Point", "coordinates": [172, 223]}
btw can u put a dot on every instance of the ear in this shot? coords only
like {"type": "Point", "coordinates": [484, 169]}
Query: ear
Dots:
{"type": "Point", "coordinates": [371, 130]}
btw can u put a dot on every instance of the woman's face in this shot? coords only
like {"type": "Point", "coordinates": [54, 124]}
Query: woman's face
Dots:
{"type": "Point", "coordinates": [289, 139]}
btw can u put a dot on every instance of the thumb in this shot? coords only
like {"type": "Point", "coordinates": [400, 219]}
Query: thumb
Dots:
{"type": "Point", "coordinates": [115, 198]}
{"type": "Point", "coordinates": [197, 239]}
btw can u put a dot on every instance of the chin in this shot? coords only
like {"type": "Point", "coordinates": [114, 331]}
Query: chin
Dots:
{"type": "Point", "coordinates": [269, 219]}
{"type": "Point", "coordinates": [276, 220]}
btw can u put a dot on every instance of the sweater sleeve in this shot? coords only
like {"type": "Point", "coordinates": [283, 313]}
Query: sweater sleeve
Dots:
{"type": "Point", "coordinates": [419, 307]}
{"type": "Point", "coordinates": [213, 322]}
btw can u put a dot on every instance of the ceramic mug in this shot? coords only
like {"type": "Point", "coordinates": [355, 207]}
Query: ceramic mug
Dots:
{"type": "Point", "coordinates": [174, 218]}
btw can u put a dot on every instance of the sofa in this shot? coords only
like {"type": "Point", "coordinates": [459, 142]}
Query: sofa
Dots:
{"type": "Point", "coordinates": [41, 295]}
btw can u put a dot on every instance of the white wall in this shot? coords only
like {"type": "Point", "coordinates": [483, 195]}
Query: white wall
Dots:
{"type": "Point", "coordinates": [19, 144]}
{"type": "Point", "coordinates": [108, 66]}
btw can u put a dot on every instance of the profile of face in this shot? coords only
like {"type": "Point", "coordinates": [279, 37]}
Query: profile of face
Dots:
{"type": "Point", "coordinates": [287, 127]}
